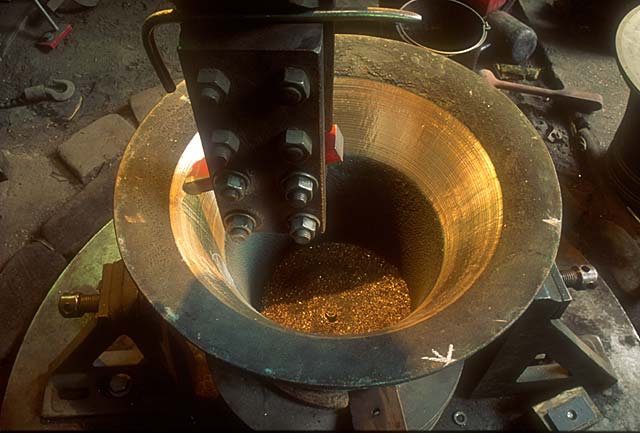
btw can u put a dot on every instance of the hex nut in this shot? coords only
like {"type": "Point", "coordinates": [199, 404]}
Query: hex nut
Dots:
{"type": "Point", "coordinates": [299, 189]}
{"type": "Point", "coordinates": [215, 84]}
{"type": "Point", "coordinates": [239, 226]}
{"type": "Point", "coordinates": [68, 305]}
{"type": "Point", "coordinates": [588, 276]}
{"type": "Point", "coordinates": [582, 277]}
{"type": "Point", "coordinates": [303, 228]}
{"type": "Point", "coordinates": [295, 87]}
{"type": "Point", "coordinates": [225, 144]}
{"type": "Point", "coordinates": [232, 185]}
{"type": "Point", "coordinates": [73, 304]}
{"type": "Point", "coordinates": [297, 146]}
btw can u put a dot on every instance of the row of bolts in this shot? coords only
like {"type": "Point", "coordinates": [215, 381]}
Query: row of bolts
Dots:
{"type": "Point", "coordinates": [296, 148]}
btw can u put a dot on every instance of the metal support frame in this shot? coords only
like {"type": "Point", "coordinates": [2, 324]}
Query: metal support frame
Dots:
{"type": "Point", "coordinates": [254, 59]}
{"type": "Point", "coordinates": [541, 353]}
{"type": "Point", "coordinates": [81, 383]}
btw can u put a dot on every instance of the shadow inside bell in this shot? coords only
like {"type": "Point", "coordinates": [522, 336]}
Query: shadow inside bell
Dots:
{"type": "Point", "coordinates": [369, 205]}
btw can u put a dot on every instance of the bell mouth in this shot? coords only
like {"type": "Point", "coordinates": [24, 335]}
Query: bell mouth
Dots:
{"type": "Point", "coordinates": [445, 144]}
{"type": "Point", "coordinates": [416, 189]}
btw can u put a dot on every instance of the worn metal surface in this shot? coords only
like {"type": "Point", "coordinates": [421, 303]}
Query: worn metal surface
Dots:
{"type": "Point", "coordinates": [402, 108]}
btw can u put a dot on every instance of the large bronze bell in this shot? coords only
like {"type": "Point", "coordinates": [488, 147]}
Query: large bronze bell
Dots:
{"type": "Point", "coordinates": [444, 177]}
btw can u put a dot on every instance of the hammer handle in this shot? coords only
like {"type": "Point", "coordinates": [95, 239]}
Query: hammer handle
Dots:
{"type": "Point", "coordinates": [581, 101]}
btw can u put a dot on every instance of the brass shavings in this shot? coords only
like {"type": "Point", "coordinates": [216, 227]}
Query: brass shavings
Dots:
{"type": "Point", "coordinates": [337, 289]}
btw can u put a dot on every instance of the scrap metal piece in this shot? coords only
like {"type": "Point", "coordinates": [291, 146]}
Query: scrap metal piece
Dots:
{"type": "Point", "coordinates": [56, 90]}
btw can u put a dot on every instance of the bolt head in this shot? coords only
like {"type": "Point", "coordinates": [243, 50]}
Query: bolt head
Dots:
{"type": "Point", "coordinates": [303, 228]}
{"type": "Point", "coordinates": [295, 86]}
{"type": "Point", "coordinates": [119, 385]}
{"type": "Point", "coordinates": [239, 226]}
{"type": "Point", "coordinates": [299, 189]}
{"type": "Point", "coordinates": [297, 146]}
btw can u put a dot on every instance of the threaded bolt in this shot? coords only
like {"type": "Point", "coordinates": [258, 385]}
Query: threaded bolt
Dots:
{"type": "Point", "coordinates": [77, 304]}
{"type": "Point", "coordinates": [583, 277]}
{"type": "Point", "coordinates": [570, 277]}
{"type": "Point", "coordinates": [303, 228]}
{"type": "Point", "coordinates": [299, 199]}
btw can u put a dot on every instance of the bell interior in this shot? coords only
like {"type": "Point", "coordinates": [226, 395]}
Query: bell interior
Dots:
{"type": "Point", "coordinates": [416, 187]}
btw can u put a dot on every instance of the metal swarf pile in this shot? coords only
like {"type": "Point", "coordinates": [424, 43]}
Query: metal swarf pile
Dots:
{"type": "Point", "coordinates": [337, 289]}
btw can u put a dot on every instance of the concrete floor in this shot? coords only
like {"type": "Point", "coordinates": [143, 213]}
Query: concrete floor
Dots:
{"type": "Point", "coordinates": [104, 57]}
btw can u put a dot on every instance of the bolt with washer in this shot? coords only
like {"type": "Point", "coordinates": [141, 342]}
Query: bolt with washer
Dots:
{"type": "Point", "coordinates": [214, 84]}
{"type": "Point", "coordinates": [583, 277]}
{"type": "Point", "coordinates": [303, 228]}
{"type": "Point", "coordinates": [232, 185]}
{"type": "Point", "coordinates": [239, 226]}
{"type": "Point", "coordinates": [295, 87]}
{"type": "Point", "coordinates": [299, 189]}
{"type": "Point", "coordinates": [297, 146]}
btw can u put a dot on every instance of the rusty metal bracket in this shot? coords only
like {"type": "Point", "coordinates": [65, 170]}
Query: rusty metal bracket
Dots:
{"type": "Point", "coordinates": [84, 381]}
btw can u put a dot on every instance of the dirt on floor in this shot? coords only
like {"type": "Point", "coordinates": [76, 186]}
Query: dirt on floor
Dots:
{"type": "Point", "coordinates": [104, 57]}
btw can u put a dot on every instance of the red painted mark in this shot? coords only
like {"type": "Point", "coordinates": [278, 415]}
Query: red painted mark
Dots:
{"type": "Point", "coordinates": [334, 146]}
